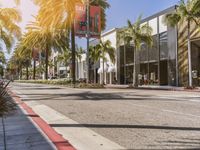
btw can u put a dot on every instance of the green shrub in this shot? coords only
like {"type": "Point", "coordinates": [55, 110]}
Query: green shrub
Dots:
{"type": "Point", "coordinates": [52, 82]}
{"type": "Point", "coordinates": [63, 82]}
{"type": "Point", "coordinates": [6, 105]}
{"type": "Point", "coordinates": [92, 85]}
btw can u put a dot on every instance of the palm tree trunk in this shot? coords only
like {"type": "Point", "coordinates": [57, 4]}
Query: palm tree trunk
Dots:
{"type": "Point", "coordinates": [134, 72]}
{"type": "Point", "coordinates": [21, 73]}
{"type": "Point", "coordinates": [73, 54]}
{"type": "Point", "coordinates": [47, 63]}
{"type": "Point", "coordinates": [34, 68]}
{"type": "Point", "coordinates": [103, 70]}
{"type": "Point", "coordinates": [66, 69]}
{"type": "Point", "coordinates": [95, 75]}
{"type": "Point", "coordinates": [88, 41]}
{"type": "Point", "coordinates": [189, 56]}
{"type": "Point", "coordinates": [27, 72]}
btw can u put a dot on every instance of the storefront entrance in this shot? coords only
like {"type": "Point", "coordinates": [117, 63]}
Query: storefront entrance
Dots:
{"type": "Point", "coordinates": [195, 58]}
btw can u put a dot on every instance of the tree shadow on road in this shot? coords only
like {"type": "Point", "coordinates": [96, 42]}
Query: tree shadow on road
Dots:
{"type": "Point", "coordinates": [124, 126]}
{"type": "Point", "coordinates": [95, 97]}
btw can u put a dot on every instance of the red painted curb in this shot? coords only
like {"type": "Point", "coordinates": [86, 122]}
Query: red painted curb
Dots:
{"type": "Point", "coordinates": [57, 139]}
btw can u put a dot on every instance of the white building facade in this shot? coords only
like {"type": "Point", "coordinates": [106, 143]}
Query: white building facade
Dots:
{"type": "Point", "coordinates": [110, 69]}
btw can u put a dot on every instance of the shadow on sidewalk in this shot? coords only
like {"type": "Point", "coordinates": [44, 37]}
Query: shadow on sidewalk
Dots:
{"type": "Point", "coordinates": [20, 133]}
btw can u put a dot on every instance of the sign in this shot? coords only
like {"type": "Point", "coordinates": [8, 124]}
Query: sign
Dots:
{"type": "Point", "coordinates": [35, 54]}
{"type": "Point", "coordinates": [81, 21]}
{"type": "Point", "coordinates": [95, 21]}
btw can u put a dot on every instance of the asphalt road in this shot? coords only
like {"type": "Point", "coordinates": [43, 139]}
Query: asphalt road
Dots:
{"type": "Point", "coordinates": [135, 119]}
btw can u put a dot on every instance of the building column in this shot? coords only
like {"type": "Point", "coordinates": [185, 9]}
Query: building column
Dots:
{"type": "Point", "coordinates": [158, 41]}
{"type": "Point", "coordinates": [110, 77]}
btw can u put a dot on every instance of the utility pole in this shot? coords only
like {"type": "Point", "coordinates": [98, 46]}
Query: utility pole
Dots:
{"type": "Point", "coordinates": [73, 55]}
{"type": "Point", "coordinates": [88, 39]}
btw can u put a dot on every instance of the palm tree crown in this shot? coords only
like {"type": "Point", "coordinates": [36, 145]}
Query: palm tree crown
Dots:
{"type": "Point", "coordinates": [9, 17]}
{"type": "Point", "coordinates": [189, 11]}
{"type": "Point", "coordinates": [137, 34]}
{"type": "Point", "coordinates": [186, 12]}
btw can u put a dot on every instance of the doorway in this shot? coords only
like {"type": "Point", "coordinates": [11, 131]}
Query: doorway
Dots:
{"type": "Point", "coordinates": [195, 60]}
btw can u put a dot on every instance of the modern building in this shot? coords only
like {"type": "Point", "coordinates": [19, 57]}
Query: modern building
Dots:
{"type": "Point", "coordinates": [157, 65]}
{"type": "Point", "coordinates": [165, 63]}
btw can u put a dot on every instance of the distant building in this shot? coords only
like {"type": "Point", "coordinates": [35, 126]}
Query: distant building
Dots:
{"type": "Point", "coordinates": [165, 63]}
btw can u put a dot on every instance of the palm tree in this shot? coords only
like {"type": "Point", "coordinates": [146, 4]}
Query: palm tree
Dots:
{"type": "Point", "coordinates": [2, 61]}
{"type": "Point", "coordinates": [9, 30]}
{"type": "Point", "coordinates": [53, 13]}
{"type": "Point", "coordinates": [138, 34]}
{"type": "Point", "coordinates": [22, 56]}
{"type": "Point", "coordinates": [45, 39]}
{"type": "Point", "coordinates": [103, 49]}
{"type": "Point", "coordinates": [2, 57]}
{"type": "Point", "coordinates": [95, 57]}
{"type": "Point", "coordinates": [66, 56]}
{"type": "Point", "coordinates": [62, 14]}
{"type": "Point", "coordinates": [189, 12]}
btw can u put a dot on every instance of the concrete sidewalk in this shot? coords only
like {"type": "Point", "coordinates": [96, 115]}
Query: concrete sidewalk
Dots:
{"type": "Point", "coordinates": [19, 132]}
{"type": "Point", "coordinates": [153, 87]}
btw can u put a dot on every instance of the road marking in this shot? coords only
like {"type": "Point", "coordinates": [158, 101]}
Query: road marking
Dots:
{"type": "Point", "coordinates": [59, 142]}
{"type": "Point", "coordinates": [166, 110]}
{"type": "Point", "coordinates": [81, 138]}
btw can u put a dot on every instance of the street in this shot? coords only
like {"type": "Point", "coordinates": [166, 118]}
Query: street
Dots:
{"type": "Point", "coordinates": [133, 119]}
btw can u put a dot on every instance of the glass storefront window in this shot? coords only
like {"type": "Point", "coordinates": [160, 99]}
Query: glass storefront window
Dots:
{"type": "Point", "coordinates": [154, 25]}
{"type": "Point", "coordinates": [153, 51]}
{"type": "Point", "coordinates": [163, 45]}
{"type": "Point", "coordinates": [129, 54]}
{"type": "Point", "coordinates": [144, 52]}
{"type": "Point", "coordinates": [162, 25]}
{"type": "Point", "coordinates": [121, 55]}
{"type": "Point", "coordinates": [153, 73]}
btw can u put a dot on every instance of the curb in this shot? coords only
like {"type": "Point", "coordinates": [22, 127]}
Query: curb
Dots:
{"type": "Point", "coordinates": [57, 139]}
{"type": "Point", "coordinates": [160, 89]}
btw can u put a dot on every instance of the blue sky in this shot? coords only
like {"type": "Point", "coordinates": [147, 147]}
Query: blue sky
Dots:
{"type": "Point", "coordinates": [117, 15]}
{"type": "Point", "coordinates": [122, 10]}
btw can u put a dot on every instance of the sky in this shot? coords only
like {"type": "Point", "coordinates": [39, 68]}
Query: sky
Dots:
{"type": "Point", "coordinates": [117, 15]}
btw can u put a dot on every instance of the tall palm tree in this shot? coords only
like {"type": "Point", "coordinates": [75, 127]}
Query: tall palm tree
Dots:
{"type": "Point", "coordinates": [103, 49]}
{"type": "Point", "coordinates": [45, 39]}
{"type": "Point", "coordinates": [2, 61]}
{"type": "Point", "coordinates": [95, 57]}
{"type": "Point", "coordinates": [138, 34]}
{"type": "Point", "coordinates": [190, 12]}
{"type": "Point", "coordinates": [62, 14]}
{"type": "Point", "coordinates": [65, 56]}
{"type": "Point", "coordinates": [9, 30]}
{"type": "Point", "coordinates": [2, 57]}
{"type": "Point", "coordinates": [22, 56]}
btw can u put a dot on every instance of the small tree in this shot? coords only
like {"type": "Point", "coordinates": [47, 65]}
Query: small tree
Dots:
{"type": "Point", "coordinates": [102, 49]}
{"type": "Point", "coordinates": [95, 57]}
{"type": "Point", "coordinates": [138, 34]}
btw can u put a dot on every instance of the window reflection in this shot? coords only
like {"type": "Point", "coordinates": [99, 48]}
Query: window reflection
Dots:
{"type": "Point", "coordinates": [163, 46]}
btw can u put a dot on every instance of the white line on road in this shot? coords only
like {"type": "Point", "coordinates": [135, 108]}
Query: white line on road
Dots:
{"type": "Point", "coordinates": [80, 137]}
